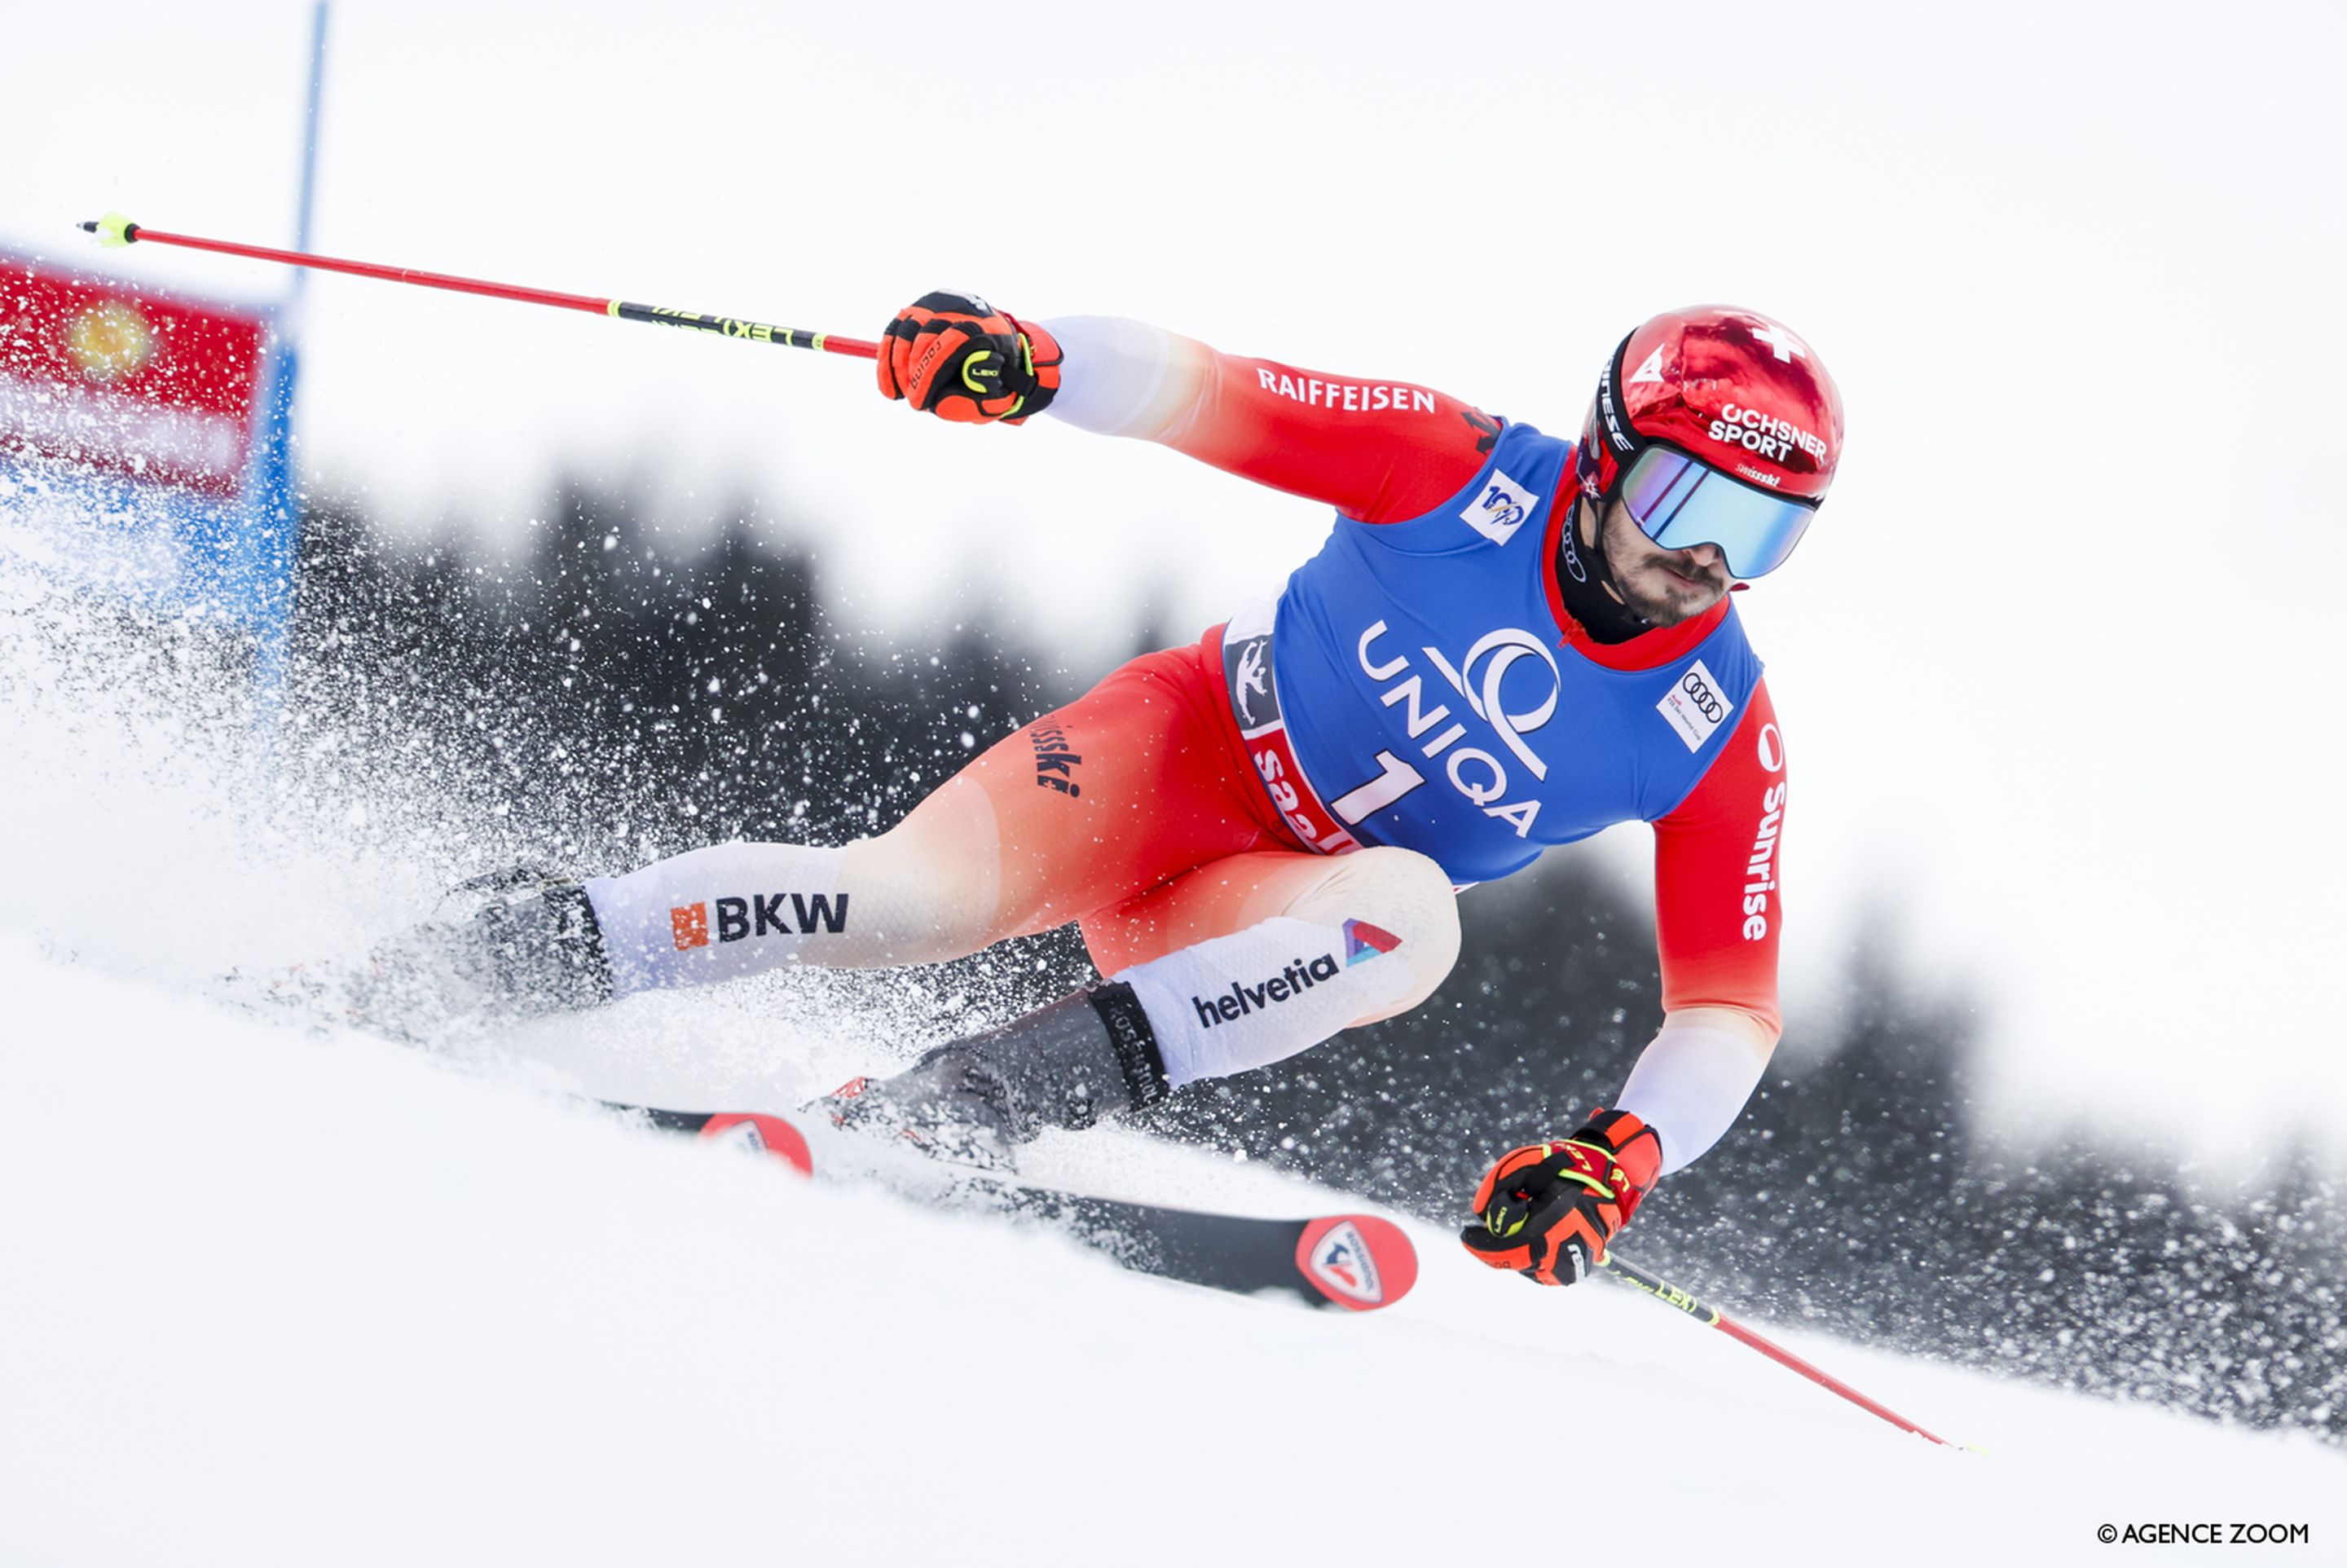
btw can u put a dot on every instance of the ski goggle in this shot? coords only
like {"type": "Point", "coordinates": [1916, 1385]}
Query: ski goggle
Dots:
{"type": "Point", "coordinates": [1679, 502]}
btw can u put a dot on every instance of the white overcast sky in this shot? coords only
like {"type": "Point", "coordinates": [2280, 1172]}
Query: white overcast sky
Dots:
{"type": "Point", "coordinates": [2054, 666]}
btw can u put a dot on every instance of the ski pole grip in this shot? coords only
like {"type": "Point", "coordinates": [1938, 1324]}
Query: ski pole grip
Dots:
{"type": "Point", "coordinates": [113, 230]}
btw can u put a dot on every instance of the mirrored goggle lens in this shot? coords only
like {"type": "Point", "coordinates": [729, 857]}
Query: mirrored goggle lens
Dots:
{"type": "Point", "coordinates": [1678, 502]}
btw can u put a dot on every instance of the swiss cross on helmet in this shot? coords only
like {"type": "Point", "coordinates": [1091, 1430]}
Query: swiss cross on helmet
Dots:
{"type": "Point", "coordinates": [1717, 426]}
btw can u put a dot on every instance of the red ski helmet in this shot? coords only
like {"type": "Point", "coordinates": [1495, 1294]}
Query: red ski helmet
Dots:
{"type": "Point", "coordinates": [1717, 427]}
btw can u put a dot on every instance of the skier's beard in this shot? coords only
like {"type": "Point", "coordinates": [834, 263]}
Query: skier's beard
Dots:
{"type": "Point", "coordinates": [1660, 586]}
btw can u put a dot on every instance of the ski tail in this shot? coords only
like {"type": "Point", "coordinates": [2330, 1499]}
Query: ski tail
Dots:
{"type": "Point", "coordinates": [747, 1130]}
{"type": "Point", "coordinates": [1356, 1261]}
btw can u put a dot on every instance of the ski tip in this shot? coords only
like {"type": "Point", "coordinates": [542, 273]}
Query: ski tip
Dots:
{"type": "Point", "coordinates": [1359, 1262]}
{"type": "Point", "coordinates": [759, 1133]}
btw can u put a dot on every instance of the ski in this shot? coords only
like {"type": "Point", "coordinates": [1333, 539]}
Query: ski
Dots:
{"type": "Point", "coordinates": [1355, 1261]}
{"type": "Point", "coordinates": [751, 1131]}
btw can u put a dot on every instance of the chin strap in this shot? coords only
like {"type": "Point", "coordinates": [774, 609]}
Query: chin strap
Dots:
{"type": "Point", "coordinates": [1585, 578]}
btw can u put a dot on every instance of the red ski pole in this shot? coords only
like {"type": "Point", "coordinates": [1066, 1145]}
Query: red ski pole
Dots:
{"type": "Point", "coordinates": [114, 230]}
{"type": "Point", "coordinates": [1671, 1294]}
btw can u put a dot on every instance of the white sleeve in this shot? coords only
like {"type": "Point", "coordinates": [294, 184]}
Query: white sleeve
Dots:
{"type": "Point", "coordinates": [1689, 1085]}
{"type": "Point", "coordinates": [1120, 377]}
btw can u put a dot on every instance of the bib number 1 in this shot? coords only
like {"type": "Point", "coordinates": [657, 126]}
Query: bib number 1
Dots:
{"type": "Point", "coordinates": [1397, 780]}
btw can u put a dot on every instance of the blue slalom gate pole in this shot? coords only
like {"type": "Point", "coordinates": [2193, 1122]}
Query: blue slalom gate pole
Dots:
{"type": "Point", "coordinates": [273, 519]}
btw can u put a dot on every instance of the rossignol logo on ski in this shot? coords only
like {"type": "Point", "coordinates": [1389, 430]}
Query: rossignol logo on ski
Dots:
{"type": "Point", "coordinates": [1342, 1263]}
{"type": "Point", "coordinates": [742, 1134]}
{"type": "Point", "coordinates": [752, 1133]}
{"type": "Point", "coordinates": [759, 915]}
{"type": "Point", "coordinates": [1358, 1262]}
{"type": "Point", "coordinates": [1363, 942]}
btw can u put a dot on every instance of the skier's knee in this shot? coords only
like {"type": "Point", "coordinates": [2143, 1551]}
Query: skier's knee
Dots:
{"type": "Point", "coordinates": [1370, 941]}
{"type": "Point", "coordinates": [1405, 898]}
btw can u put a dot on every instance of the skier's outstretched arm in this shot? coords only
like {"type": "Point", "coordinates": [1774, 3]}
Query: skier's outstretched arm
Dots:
{"type": "Point", "coordinates": [1378, 451]}
{"type": "Point", "coordinates": [1549, 1209]}
{"type": "Point", "coordinates": [1718, 914]}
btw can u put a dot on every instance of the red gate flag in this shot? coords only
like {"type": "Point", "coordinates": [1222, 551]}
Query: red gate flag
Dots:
{"type": "Point", "coordinates": [107, 373]}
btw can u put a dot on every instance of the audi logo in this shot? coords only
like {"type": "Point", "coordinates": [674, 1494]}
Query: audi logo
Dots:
{"type": "Point", "coordinates": [1702, 695]}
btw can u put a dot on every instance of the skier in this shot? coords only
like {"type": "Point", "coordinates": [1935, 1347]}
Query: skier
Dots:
{"type": "Point", "coordinates": [1510, 641]}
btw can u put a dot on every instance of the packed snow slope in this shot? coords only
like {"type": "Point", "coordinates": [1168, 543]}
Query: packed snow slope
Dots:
{"type": "Point", "coordinates": [276, 1297]}
{"type": "Point", "coordinates": [272, 1295]}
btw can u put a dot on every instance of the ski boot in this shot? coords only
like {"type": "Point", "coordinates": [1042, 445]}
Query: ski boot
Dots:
{"type": "Point", "coordinates": [973, 1102]}
{"type": "Point", "coordinates": [500, 949]}
{"type": "Point", "coordinates": [504, 947]}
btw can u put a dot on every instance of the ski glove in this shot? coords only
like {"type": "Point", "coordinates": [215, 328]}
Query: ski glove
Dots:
{"type": "Point", "coordinates": [1548, 1211]}
{"type": "Point", "coordinates": [958, 357]}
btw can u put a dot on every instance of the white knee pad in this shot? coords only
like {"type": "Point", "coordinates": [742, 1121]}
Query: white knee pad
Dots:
{"type": "Point", "coordinates": [1247, 1000]}
{"type": "Point", "coordinates": [1258, 996]}
{"type": "Point", "coordinates": [1404, 892]}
